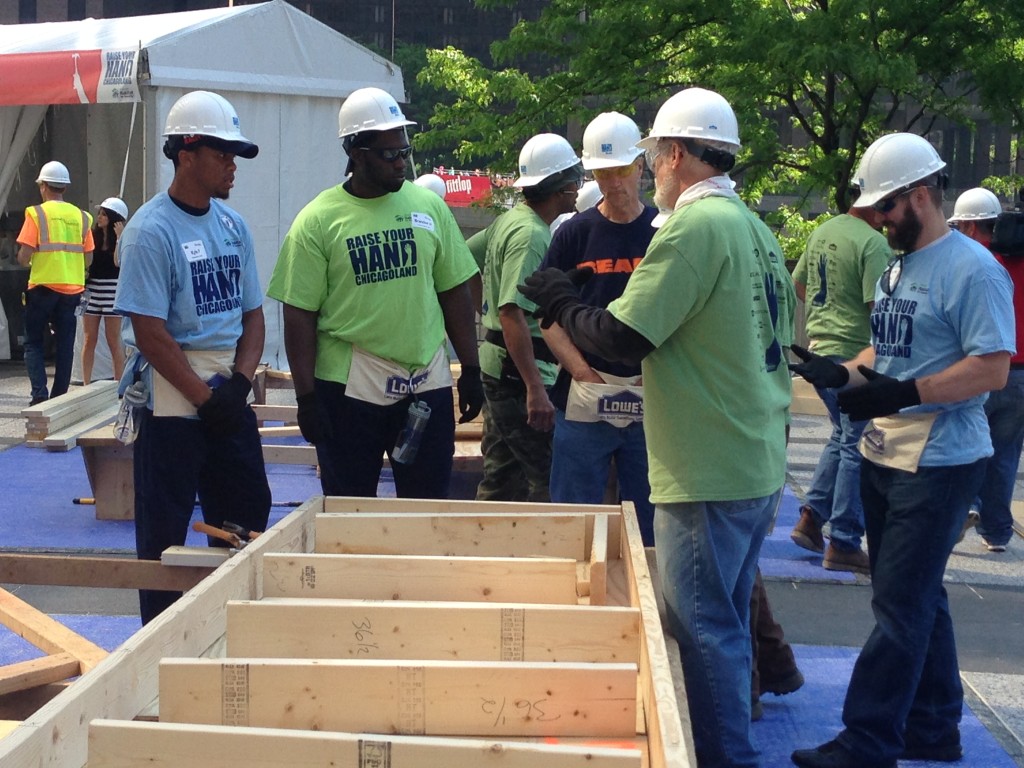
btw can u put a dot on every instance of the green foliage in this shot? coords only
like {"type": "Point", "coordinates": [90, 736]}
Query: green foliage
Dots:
{"type": "Point", "coordinates": [793, 230]}
{"type": "Point", "coordinates": [1006, 187]}
{"type": "Point", "coordinates": [839, 72]}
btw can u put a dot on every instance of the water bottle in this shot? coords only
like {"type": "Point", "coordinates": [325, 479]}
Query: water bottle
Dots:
{"type": "Point", "coordinates": [408, 443]}
{"type": "Point", "coordinates": [83, 302]}
{"type": "Point", "coordinates": [126, 428]}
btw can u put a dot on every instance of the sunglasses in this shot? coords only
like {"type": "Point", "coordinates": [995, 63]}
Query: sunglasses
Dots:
{"type": "Point", "coordinates": [576, 187]}
{"type": "Point", "coordinates": [389, 155]}
{"type": "Point", "coordinates": [618, 172]}
{"type": "Point", "coordinates": [886, 205]}
{"type": "Point", "coordinates": [891, 277]}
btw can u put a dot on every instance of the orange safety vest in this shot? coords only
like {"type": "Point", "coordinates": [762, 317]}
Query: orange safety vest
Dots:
{"type": "Point", "coordinates": [59, 260]}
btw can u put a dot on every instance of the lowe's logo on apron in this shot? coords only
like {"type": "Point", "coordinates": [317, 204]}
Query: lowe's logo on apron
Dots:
{"type": "Point", "coordinates": [399, 386]}
{"type": "Point", "coordinates": [620, 404]}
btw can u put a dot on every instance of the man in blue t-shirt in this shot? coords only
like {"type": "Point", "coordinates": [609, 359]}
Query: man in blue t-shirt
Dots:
{"type": "Point", "coordinates": [191, 296]}
{"type": "Point", "coordinates": [598, 403]}
{"type": "Point", "coordinates": [942, 332]}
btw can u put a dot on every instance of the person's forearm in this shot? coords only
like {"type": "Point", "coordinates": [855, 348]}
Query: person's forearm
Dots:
{"type": "Point", "coordinates": [865, 357]}
{"type": "Point", "coordinates": [250, 346]}
{"type": "Point", "coordinates": [168, 359]}
{"type": "Point", "coordinates": [569, 356]}
{"type": "Point", "coordinates": [519, 344]}
{"type": "Point", "coordinates": [25, 255]}
{"type": "Point", "coordinates": [300, 347]}
{"type": "Point", "coordinates": [600, 333]}
{"type": "Point", "coordinates": [460, 322]}
{"type": "Point", "coordinates": [965, 379]}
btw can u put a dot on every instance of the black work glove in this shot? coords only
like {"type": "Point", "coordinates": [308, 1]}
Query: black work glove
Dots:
{"type": "Point", "coordinates": [471, 393]}
{"type": "Point", "coordinates": [818, 370]}
{"type": "Point", "coordinates": [314, 424]}
{"type": "Point", "coordinates": [555, 291]}
{"type": "Point", "coordinates": [881, 396]}
{"type": "Point", "coordinates": [223, 414]}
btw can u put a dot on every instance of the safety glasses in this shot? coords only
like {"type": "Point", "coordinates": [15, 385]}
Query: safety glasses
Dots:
{"type": "Point", "coordinates": [389, 155]}
{"type": "Point", "coordinates": [891, 277]}
{"type": "Point", "coordinates": [618, 172]}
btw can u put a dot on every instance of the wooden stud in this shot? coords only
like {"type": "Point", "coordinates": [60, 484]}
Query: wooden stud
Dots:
{"type": "Point", "coordinates": [599, 562]}
{"type": "Point", "coordinates": [97, 571]}
{"type": "Point", "coordinates": [452, 534]}
{"type": "Point", "coordinates": [382, 577]}
{"type": "Point", "coordinates": [126, 744]}
{"type": "Point", "coordinates": [46, 634]}
{"type": "Point", "coordinates": [366, 629]}
{"type": "Point", "coordinates": [35, 672]}
{"type": "Point", "coordinates": [425, 697]}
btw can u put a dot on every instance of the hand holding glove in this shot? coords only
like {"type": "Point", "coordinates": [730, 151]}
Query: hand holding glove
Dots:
{"type": "Point", "coordinates": [471, 393]}
{"type": "Point", "coordinates": [881, 396]}
{"type": "Point", "coordinates": [554, 291]}
{"type": "Point", "coordinates": [819, 370]}
{"type": "Point", "coordinates": [223, 414]}
{"type": "Point", "coordinates": [314, 424]}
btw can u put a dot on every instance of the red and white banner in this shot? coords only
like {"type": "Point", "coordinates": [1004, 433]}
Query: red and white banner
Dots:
{"type": "Point", "coordinates": [464, 189]}
{"type": "Point", "coordinates": [69, 77]}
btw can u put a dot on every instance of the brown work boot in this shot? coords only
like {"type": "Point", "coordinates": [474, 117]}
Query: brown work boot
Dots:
{"type": "Point", "coordinates": [807, 533]}
{"type": "Point", "coordinates": [852, 560]}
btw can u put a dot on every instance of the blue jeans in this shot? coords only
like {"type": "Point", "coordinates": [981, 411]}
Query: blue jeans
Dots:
{"type": "Point", "coordinates": [834, 494]}
{"type": "Point", "coordinates": [906, 681]}
{"type": "Point", "coordinates": [43, 307]}
{"type": "Point", "coordinates": [1005, 411]}
{"type": "Point", "coordinates": [581, 456]}
{"type": "Point", "coordinates": [707, 560]}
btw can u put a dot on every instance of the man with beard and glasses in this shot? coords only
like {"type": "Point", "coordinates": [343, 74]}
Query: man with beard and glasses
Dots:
{"type": "Point", "coordinates": [942, 334]}
{"type": "Point", "coordinates": [707, 313]}
{"type": "Point", "coordinates": [373, 273]}
{"type": "Point", "coordinates": [191, 295]}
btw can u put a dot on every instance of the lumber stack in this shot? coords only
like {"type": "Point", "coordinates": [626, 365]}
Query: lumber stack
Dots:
{"type": "Point", "coordinates": [55, 424]}
{"type": "Point", "coordinates": [402, 633]}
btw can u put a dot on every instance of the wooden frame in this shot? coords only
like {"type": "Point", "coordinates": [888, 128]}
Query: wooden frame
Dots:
{"type": "Point", "coordinates": [508, 643]}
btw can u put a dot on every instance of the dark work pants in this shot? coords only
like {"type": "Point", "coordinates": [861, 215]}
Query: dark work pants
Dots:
{"type": "Point", "coordinates": [351, 461]}
{"type": "Point", "coordinates": [175, 461]}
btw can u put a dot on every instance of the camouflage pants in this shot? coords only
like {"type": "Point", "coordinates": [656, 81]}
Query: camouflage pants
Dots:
{"type": "Point", "coordinates": [517, 458]}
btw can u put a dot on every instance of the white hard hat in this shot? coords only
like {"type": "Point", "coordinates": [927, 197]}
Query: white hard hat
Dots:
{"type": "Point", "coordinates": [116, 204]}
{"type": "Point", "coordinates": [694, 113]}
{"type": "Point", "coordinates": [370, 109]}
{"type": "Point", "coordinates": [589, 196]}
{"type": "Point", "coordinates": [202, 113]}
{"type": "Point", "coordinates": [543, 155]}
{"type": "Point", "coordinates": [54, 173]}
{"type": "Point", "coordinates": [434, 183]}
{"type": "Point", "coordinates": [892, 163]}
{"type": "Point", "coordinates": [976, 205]}
{"type": "Point", "coordinates": [609, 141]}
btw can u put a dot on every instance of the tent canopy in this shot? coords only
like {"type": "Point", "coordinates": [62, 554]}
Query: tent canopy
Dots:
{"type": "Point", "coordinates": [266, 48]}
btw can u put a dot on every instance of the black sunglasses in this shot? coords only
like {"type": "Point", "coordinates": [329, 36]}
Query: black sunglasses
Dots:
{"type": "Point", "coordinates": [891, 277]}
{"type": "Point", "coordinates": [886, 205]}
{"type": "Point", "coordinates": [389, 155]}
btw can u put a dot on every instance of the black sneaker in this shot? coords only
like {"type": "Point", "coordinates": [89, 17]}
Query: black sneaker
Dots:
{"type": "Point", "coordinates": [973, 518]}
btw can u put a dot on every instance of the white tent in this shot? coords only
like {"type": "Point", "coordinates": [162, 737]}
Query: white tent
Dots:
{"type": "Point", "coordinates": [94, 94]}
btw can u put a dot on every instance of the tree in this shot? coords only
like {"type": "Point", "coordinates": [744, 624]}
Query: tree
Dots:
{"type": "Point", "coordinates": [839, 72]}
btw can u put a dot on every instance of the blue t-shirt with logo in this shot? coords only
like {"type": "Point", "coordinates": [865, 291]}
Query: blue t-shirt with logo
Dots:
{"type": "Point", "coordinates": [953, 300]}
{"type": "Point", "coordinates": [613, 251]}
{"type": "Point", "coordinates": [197, 273]}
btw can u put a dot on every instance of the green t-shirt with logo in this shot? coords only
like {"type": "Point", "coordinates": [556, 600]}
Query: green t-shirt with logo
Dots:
{"type": "Point", "coordinates": [713, 296]}
{"type": "Point", "coordinates": [840, 266]}
{"type": "Point", "coordinates": [515, 246]}
{"type": "Point", "coordinates": [372, 269]}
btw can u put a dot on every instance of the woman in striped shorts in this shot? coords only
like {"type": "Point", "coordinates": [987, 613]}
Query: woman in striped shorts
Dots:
{"type": "Point", "coordinates": [100, 286]}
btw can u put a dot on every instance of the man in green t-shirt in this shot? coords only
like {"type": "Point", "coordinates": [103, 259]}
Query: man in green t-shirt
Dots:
{"type": "Point", "coordinates": [517, 367]}
{"type": "Point", "coordinates": [836, 278]}
{"type": "Point", "coordinates": [372, 274]}
{"type": "Point", "coordinates": [708, 312]}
